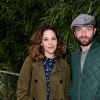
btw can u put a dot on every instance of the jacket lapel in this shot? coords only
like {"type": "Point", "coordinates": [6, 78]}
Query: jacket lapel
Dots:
{"type": "Point", "coordinates": [58, 66]}
{"type": "Point", "coordinates": [39, 68]}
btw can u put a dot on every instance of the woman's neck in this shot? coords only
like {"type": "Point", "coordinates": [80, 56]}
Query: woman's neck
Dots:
{"type": "Point", "coordinates": [51, 56]}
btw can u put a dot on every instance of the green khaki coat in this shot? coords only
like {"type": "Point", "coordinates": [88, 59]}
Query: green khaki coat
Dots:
{"type": "Point", "coordinates": [32, 81]}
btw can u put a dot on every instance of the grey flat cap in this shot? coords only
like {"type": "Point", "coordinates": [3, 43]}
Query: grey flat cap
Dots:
{"type": "Point", "coordinates": [83, 19]}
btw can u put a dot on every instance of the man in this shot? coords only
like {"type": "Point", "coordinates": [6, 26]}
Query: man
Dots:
{"type": "Point", "coordinates": [86, 60]}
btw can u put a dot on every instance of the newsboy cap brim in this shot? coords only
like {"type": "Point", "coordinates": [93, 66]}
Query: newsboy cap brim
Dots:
{"type": "Point", "coordinates": [82, 20]}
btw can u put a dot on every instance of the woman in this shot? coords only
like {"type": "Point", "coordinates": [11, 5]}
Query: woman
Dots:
{"type": "Point", "coordinates": [44, 74]}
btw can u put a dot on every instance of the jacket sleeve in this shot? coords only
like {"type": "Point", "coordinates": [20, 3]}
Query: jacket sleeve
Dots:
{"type": "Point", "coordinates": [67, 81]}
{"type": "Point", "coordinates": [24, 80]}
{"type": "Point", "coordinates": [97, 97]}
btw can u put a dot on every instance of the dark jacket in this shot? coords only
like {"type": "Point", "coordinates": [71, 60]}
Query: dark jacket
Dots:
{"type": "Point", "coordinates": [32, 81]}
{"type": "Point", "coordinates": [86, 85]}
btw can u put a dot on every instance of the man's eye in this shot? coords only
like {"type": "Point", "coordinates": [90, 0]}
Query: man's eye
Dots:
{"type": "Point", "coordinates": [89, 28]}
{"type": "Point", "coordinates": [78, 29]}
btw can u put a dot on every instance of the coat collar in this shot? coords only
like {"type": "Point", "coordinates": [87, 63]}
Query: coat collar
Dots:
{"type": "Point", "coordinates": [39, 68]}
{"type": "Point", "coordinates": [58, 66]}
{"type": "Point", "coordinates": [94, 45]}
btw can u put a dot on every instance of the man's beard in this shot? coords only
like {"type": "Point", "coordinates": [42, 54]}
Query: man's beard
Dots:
{"type": "Point", "coordinates": [84, 40]}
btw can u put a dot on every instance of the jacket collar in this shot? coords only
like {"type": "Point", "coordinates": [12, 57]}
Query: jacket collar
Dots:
{"type": "Point", "coordinates": [39, 67]}
{"type": "Point", "coordinates": [94, 45]}
{"type": "Point", "coordinates": [58, 66]}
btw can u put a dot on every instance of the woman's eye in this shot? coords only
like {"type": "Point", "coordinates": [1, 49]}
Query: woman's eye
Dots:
{"type": "Point", "coordinates": [45, 39]}
{"type": "Point", "coordinates": [54, 38]}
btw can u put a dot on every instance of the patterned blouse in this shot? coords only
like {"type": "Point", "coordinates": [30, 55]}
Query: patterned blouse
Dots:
{"type": "Point", "coordinates": [48, 66]}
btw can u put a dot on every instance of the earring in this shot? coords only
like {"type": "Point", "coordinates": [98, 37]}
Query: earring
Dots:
{"type": "Point", "coordinates": [41, 44]}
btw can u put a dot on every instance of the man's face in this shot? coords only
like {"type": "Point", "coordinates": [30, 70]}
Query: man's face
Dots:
{"type": "Point", "coordinates": [84, 34]}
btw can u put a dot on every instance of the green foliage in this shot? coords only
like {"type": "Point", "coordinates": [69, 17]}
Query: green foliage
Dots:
{"type": "Point", "coordinates": [7, 89]}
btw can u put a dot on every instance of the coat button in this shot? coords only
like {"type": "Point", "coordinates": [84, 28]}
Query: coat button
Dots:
{"type": "Point", "coordinates": [33, 98]}
{"type": "Point", "coordinates": [35, 80]}
{"type": "Point", "coordinates": [61, 81]}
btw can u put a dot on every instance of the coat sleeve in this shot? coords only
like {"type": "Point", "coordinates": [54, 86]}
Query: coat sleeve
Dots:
{"type": "Point", "coordinates": [97, 97]}
{"type": "Point", "coordinates": [24, 80]}
{"type": "Point", "coordinates": [67, 81]}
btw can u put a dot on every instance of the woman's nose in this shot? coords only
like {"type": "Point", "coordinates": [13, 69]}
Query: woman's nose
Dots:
{"type": "Point", "coordinates": [50, 41]}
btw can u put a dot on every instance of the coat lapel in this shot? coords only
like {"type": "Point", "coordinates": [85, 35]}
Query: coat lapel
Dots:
{"type": "Point", "coordinates": [57, 66]}
{"type": "Point", "coordinates": [39, 68]}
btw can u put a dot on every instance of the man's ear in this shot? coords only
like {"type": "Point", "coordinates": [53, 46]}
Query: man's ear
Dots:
{"type": "Point", "coordinates": [95, 30]}
{"type": "Point", "coordinates": [74, 33]}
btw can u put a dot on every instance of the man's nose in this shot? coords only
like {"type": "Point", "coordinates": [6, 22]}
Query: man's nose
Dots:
{"type": "Point", "coordinates": [83, 32]}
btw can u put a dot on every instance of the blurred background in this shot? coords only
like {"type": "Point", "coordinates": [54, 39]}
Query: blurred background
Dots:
{"type": "Point", "coordinates": [19, 20]}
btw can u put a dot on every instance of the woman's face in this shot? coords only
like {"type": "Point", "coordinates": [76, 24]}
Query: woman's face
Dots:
{"type": "Point", "coordinates": [49, 43]}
